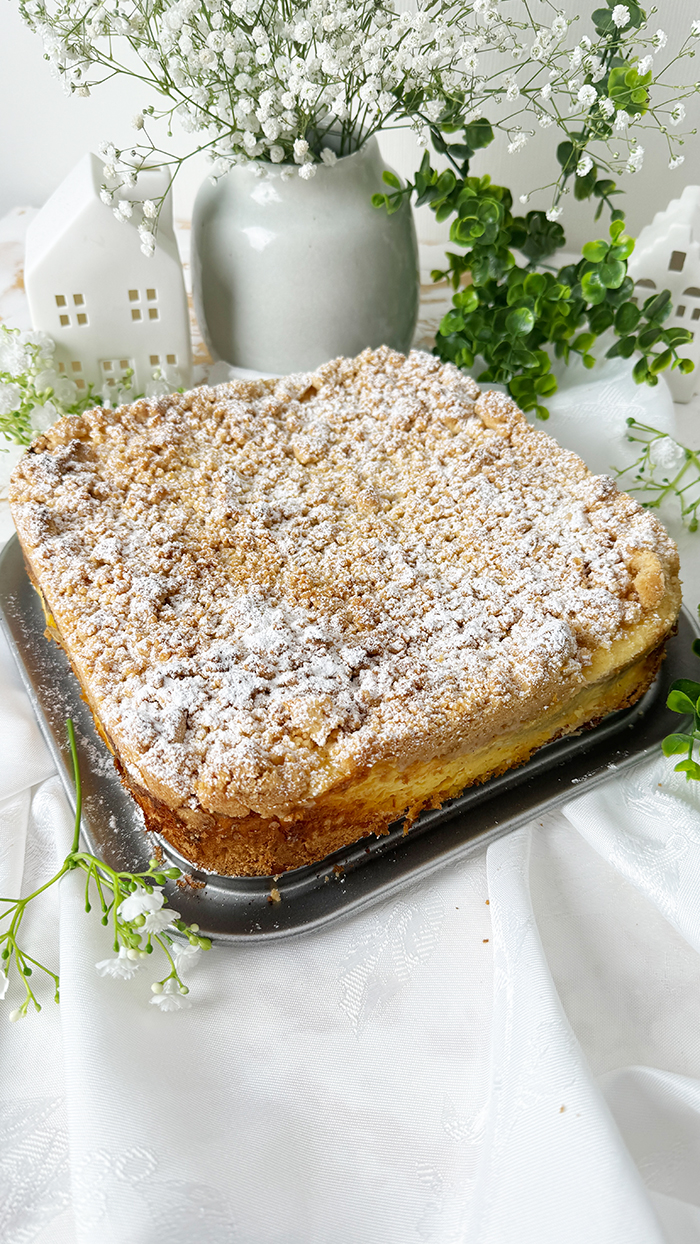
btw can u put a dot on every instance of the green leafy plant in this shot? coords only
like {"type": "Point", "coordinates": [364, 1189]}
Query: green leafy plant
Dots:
{"type": "Point", "coordinates": [664, 468]}
{"type": "Point", "coordinates": [133, 905]}
{"type": "Point", "coordinates": [509, 314]}
{"type": "Point", "coordinates": [684, 697]}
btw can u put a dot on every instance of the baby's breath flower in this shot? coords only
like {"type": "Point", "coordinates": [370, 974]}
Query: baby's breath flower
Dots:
{"type": "Point", "coordinates": [4, 982]}
{"type": "Point", "coordinates": [329, 157]}
{"type": "Point", "coordinates": [124, 210]}
{"type": "Point", "coordinates": [307, 171]}
{"type": "Point", "coordinates": [554, 213]}
{"type": "Point", "coordinates": [660, 39]}
{"type": "Point", "coordinates": [559, 26]}
{"type": "Point", "coordinates": [620, 16]}
{"type": "Point", "coordinates": [517, 142]}
{"type": "Point", "coordinates": [635, 160]}
{"type": "Point", "coordinates": [622, 120]}
{"type": "Point", "coordinates": [301, 150]}
{"type": "Point", "coordinates": [584, 165]}
{"type": "Point", "coordinates": [676, 161]}
{"type": "Point", "coordinates": [695, 28]}
{"type": "Point", "coordinates": [122, 968]}
{"type": "Point", "coordinates": [645, 65]}
{"type": "Point", "coordinates": [587, 96]}
{"type": "Point", "coordinates": [677, 114]}
{"type": "Point", "coordinates": [171, 998]}
{"type": "Point", "coordinates": [607, 107]}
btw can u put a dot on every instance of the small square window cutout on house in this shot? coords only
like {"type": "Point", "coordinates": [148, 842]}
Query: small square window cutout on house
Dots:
{"type": "Point", "coordinates": [60, 300]}
{"type": "Point", "coordinates": [154, 360]}
{"type": "Point", "coordinates": [172, 359]}
{"type": "Point", "coordinates": [680, 312]}
{"type": "Point", "coordinates": [153, 313]}
{"type": "Point", "coordinates": [136, 314]}
{"type": "Point", "coordinates": [79, 300]}
{"type": "Point", "coordinates": [115, 370]}
{"type": "Point", "coordinates": [61, 368]}
{"type": "Point", "coordinates": [676, 261]}
{"type": "Point", "coordinates": [64, 320]}
{"type": "Point", "coordinates": [151, 295]}
{"type": "Point", "coordinates": [696, 314]}
{"type": "Point", "coordinates": [76, 365]}
{"type": "Point", "coordinates": [133, 295]}
{"type": "Point", "coordinates": [82, 318]}
{"type": "Point", "coordinates": [80, 383]}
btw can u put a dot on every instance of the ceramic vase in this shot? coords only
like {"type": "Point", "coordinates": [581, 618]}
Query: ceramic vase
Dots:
{"type": "Point", "coordinates": [289, 273]}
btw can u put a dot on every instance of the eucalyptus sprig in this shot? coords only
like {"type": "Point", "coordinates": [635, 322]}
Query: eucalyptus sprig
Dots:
{"type": "Point", "coordinates": [684, 697]}
{"type": "Point", "coordinates": [664, 468]}
{"type": "Point", "coordinates": [133, 905]}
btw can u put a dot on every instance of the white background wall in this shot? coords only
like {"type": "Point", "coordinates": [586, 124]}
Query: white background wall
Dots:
{"type": "Point", "coordinates": [43, 133]}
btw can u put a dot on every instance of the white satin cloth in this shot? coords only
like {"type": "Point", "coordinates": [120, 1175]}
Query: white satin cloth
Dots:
{"type": "Point", "coordinates": [507, 1053]}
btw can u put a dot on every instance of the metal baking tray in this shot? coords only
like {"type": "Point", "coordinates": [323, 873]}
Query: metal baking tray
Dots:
{"type": "Point", "coordinates": [241, 908]}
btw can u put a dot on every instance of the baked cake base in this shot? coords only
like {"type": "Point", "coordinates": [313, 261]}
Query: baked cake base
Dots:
{"type": "Point", "coordinates": [264, 847]}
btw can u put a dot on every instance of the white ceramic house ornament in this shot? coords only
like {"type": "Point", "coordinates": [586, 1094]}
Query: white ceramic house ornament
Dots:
{"type": "Point", "coordinates": [108, 307]}
{"type": "Point", "coordinates": [667, 256]}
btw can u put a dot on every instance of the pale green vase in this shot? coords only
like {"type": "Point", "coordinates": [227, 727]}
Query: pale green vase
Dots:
{"type": "Point", "coordinates": [289, 273]}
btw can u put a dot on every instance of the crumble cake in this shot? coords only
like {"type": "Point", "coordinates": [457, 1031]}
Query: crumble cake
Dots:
{"type": "Point", "coordinates": [301, 609]}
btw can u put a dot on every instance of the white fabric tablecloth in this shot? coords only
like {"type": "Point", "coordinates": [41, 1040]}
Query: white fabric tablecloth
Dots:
{"type": "Point", "coordinates": [508, 1053]}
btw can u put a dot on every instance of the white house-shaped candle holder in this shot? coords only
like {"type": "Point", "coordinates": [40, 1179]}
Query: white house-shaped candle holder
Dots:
{"type": "Point", "coordinates": [110, 309]}
{"type": "Point", "coordinates": [667, 256]}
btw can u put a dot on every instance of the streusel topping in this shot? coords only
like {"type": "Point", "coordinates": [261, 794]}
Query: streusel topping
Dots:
{"type": "Point", "coordinates": [273, 584]}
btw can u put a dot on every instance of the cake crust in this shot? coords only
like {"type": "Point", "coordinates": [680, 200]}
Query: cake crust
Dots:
{"type": "Point", "coordinates": [300, 609]}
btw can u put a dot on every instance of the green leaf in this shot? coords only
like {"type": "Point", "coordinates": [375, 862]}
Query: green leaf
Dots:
{"type": "Point", "coordinates": [623, 349]}
{"type": "Point", "coordinates": [649, 337]}
{"type": "Point", "coordinates": [583, 342]}
{"type": "Point", "coordinates": [660, 362]}
{"type": "Point", "coordinates": [600, 318]}
{"type": "Point", "coordinates": [679, 702]}
{"type": "Point", "coordinates": [593, 288]}
{"type": "Point", "coordinates": [673, 744]}
{"type": "Point", "coordinates": [520, 322]}
{"type": "Point", "coordinates": [690, 767]}
{"type": "Point", "coordinates": [612, 274]}
{"type": "Point", "coordinates": [686, 366]}
{"type": "Point", "coordinates": [451, 323]}
{"type": "Point", "coordinates": [583, 186]}
{"type": "Point", "coordinates": [478, 134]}
{"type": "Point", "coordinates": [603, 22]}
{"type": "Point", "coordinates": [391, 179]}
{"type": "Point", "coordinates": [595, 251]}
{"type": "Point", "coordinates": [639, 371]}
{"type": "Point", "coordinates": [446, 182]}
{"type": "Point", "coordinates": [696, 647]}
{"type": "Point", "coordinates": [567, 156]}
{"type": "Point", "coordinates": [688, 687]}
{"type": "Point", "coordinates": [627, 318]}
{"type": "Point", "coordinates": [658, 306]}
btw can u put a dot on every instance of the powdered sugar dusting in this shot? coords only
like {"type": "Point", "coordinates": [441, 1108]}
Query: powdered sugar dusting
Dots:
{"type": "Point", "coordinates": [273, 584]}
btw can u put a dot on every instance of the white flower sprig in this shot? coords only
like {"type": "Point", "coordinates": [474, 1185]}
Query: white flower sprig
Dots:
{"type": "Point", "coordinates": [134, 904]}
{"type": "Point", "coordinates": [664, 469]}
{"type": "Point", "coordinates": [291, 84]}
{"type": "Point", "coordinates": [33, 393]}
